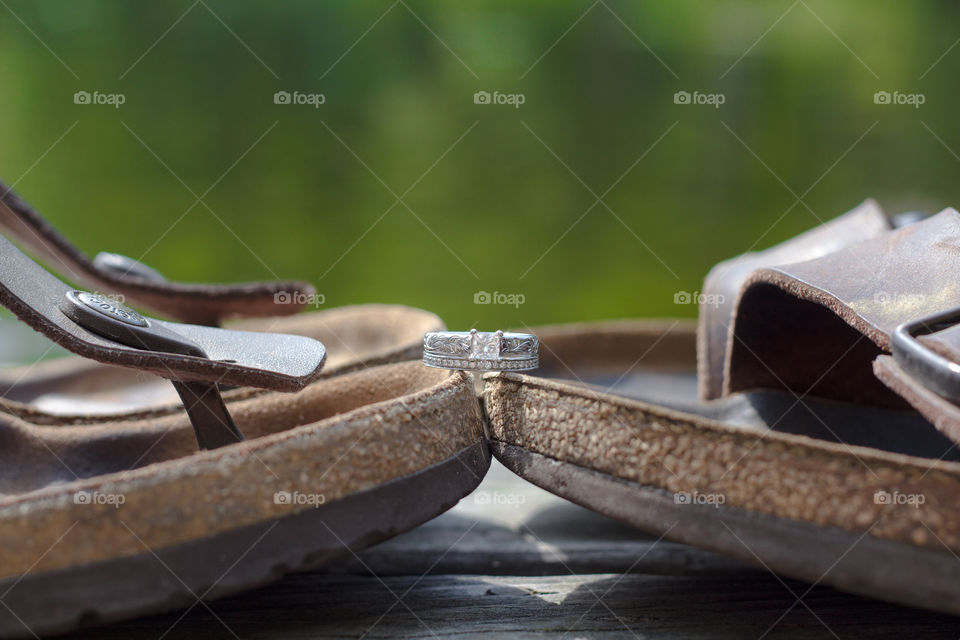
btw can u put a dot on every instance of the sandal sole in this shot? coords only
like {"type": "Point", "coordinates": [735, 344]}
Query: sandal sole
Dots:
{"type": "Point", "coordinates": [852, 562]}
{"type": "Point", "coordinates": [183, 575]}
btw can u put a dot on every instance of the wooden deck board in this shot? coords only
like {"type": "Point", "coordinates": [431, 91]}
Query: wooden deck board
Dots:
{"type": "Point", "coordinates": [515, 561]}
{"type": "Point", "coordinates": [599, 605]}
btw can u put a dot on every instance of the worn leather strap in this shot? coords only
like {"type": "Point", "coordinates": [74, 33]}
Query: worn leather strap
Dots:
{"type": "Point", "coordinates": [723, 283]}
{"type": "Point", "coordinates": [197, 359]}
{"type": "Point", "coordinates": [240, 358]}
{"type": "Point", "coordinates": [207, 304]}
{"type": "Point", "coordinates": [824, 326]}
{"type": "Point", "coordinates": [942, 413]}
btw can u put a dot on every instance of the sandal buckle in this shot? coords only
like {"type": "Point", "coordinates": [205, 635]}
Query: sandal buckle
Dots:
{"type": "Point", "coordinates": [939, 374]}
{"type": "Point", "coordinates": [124, 267]}
{"type": "Point", "coordinates": [202, 401]}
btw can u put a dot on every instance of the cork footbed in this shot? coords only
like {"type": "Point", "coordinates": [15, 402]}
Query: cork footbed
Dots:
{"type": "Point", "coordinates": [337, 437]}
{"type": "Point", "coordinates": [619, 400]}
{"type": "Point", "coordinates": [355, 337]}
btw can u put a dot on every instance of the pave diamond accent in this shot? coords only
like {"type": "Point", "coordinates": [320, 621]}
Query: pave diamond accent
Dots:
{"type": "Point", "coordinates": [481, 365]}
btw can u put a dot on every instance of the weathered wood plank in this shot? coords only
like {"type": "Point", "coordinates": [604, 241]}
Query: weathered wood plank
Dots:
{"type": "Point", "coordinates": [510, 527]}
{"type": "Point", "coordinates": [559, 574]}
{"type": "Point", "coordinates": [604, 605]}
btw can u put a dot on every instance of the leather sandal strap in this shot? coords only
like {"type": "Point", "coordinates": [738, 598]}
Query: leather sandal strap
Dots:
{"type": "Point", "coordinates": [207, 304]}
{"type": "Point", "coordinates": [827, 326]}
{"type": "Point", "coordinates": [723, 283]}
{"type": "Point", "coordinates": [196, 358]}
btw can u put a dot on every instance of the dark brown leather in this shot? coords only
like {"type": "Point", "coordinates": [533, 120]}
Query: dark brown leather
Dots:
{"type": "Point", "coordinates": [823, 326]}
{"type": "Point", "coordinates": [208, 304]}
{"type": "Point", "coordinates": [250, 359]}
{"type": "Point", "coordinates": [723, 283]}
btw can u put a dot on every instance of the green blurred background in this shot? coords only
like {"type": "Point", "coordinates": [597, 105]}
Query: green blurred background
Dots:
{"type": "Point", "coordinates": [500, 198]}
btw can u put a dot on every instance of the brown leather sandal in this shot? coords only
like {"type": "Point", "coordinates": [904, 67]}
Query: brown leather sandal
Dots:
{"type": "Point", "coordinates": [355, 336]}
{"type": "Point", "coordinates": [809, 449]}
{"type": "Point", "coordinates": [107, 518]}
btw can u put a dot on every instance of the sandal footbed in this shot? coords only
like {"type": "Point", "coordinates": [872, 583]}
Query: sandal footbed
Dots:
{"type": "Point", "coordinates": [339, 436]}
{"type": "Point", "coordinates": [755, 467]}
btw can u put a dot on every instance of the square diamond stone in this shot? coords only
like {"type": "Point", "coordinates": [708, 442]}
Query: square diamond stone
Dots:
{"type": "Point", "coordinates": [485, 346]}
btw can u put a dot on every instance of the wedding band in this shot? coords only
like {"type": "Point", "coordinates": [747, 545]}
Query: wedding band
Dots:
{"type": "Point", "coordinates": [481, 350]}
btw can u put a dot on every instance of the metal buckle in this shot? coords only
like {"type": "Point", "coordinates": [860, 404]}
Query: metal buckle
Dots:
{"type": "Point", "coordinates": [112, 319]}
{"type": "Point", "coordinates": [125, 267]}
{"type": "Point", "coordinates": [202, 401]}
{"type": "Point", "coordinates": [933, 370]}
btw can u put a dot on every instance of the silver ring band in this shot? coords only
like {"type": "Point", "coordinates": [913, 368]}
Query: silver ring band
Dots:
{"type": "Point", "coordinates": [481, 350]}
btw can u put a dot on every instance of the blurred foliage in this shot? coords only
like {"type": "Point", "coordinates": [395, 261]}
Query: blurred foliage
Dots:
{"type": "Point", "coordinates": [293, 191]}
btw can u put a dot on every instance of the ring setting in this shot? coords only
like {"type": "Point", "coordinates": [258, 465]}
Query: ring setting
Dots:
{"type": "Point", "coordinates": [481, 350]}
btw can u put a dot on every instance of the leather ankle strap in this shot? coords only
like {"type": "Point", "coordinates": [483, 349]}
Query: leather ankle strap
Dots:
{"type": "Point", "coordinates": [196, 358]}
{"type": "Point", "coordinates": [207, 304]}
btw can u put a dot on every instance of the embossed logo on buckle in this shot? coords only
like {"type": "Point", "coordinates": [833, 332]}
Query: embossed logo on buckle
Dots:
{"type": "Point", "coordinates": [111, 308]}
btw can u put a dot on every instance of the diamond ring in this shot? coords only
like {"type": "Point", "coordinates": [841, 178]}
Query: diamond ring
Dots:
{"type": "Point", "coordinates": [481, 350]}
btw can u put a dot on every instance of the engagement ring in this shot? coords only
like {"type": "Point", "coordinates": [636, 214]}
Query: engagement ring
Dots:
{"type": "Point", "coordinates": [480, 350]}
